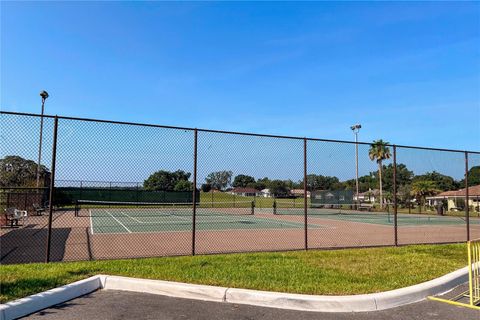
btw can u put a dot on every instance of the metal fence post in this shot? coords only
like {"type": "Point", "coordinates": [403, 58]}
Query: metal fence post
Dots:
{"type": "Point", "coordinates": [52, 187]}
{"type": "Point", "coordinates": [395, 211]}
{"type": "Point", "coordinates": [305, 203]}
{"type": "Point", "coordinates": [467, 209]}
{"type": "Point", "coordinates": [194, 197]}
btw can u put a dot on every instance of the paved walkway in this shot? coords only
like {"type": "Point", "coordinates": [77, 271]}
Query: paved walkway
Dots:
{"type": "Point", "coordinates": [131, 305]}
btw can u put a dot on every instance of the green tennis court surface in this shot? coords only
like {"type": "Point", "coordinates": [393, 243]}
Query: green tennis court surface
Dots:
{"type": "Point", "coordinates": [381, 218]}
{"type": "Point", "coordinates": [133, 220]}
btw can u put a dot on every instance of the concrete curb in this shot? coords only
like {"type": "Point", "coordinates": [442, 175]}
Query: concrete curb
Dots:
{"type": "Point", "coordinates": [166, 288]}
{"type": "Point", "coordinates": [22, 307]}
{"type": "Point", "coordinates": [352, 303]}
{"type": "Point", "coordinates": [303, 302]}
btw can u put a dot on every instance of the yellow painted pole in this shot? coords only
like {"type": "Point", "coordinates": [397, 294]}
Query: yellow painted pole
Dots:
{"type": "Point", "coordinates": [470, 273]}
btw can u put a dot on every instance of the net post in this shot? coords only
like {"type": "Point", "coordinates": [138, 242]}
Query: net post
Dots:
{"type": "Point", "coordinates": [50, 196]}
{"type": "Point", "coordinates": [110, 191]}
{"type": "Point", "coordinates": [274, 206]}
{"type": "Point", "coordinates": [305, 209]}
{"type": "Point", "coordinates": [194, 196]}
{"type": "Point", "coordinates": [395, 209]}
{"type": "Point", "coordinates": [81, 189]}
{"type": "Point", "coordinates": [467, 209]}
{"type": "Point", "coordinates": [137, 192]}
{"type": "Point", "coordinates": [253, 207]}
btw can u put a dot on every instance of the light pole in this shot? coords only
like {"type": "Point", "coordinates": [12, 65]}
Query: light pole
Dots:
{"type": "Point", "coordinates": [356, 128]}
{"type": "Point", "coordinates": [44, 95]}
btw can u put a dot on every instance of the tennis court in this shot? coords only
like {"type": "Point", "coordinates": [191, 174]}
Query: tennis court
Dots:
{"type": "Point", "coordinates": [380, 218]}
{"type": "Point", "coordinates": [108, 218]}
{"type": "Point", "coordinates": [111, 231]}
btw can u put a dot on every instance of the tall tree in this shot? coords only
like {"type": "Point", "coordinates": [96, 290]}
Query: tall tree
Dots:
{"type": "Point", "coordinates": [278, 188]}
{"type": "Point", "coordinates": [262, 183]}
{"type": "Point", "coordinates": [473, 177]}
{"type": "Point", "coordinates": [365, 183]}
{"type": "Point", "coordinates": [219, 179]}
{"type": "Point", "coordinates": [379, 151]}
{"type": "Point", "coordinates": [319, 182]}
{"type": "Point", "coordinates": [443, 182]}
{"type": "Point", "coordinates": [405, 194]}
{"type": "Point", "coordinates": [206, 187]}
{"type": "Point", "coordinates": [404, 176]}
{"type": "Point", "coordinates": [16, 171]}
{"type": "Point", "coordinates": [180, 175]}
{"type": "Point", "coordinates": [183, 185]}
{"type": "Point", "coordinates": [163, 180]}
{"type": "Point", "coordinates": [421, 189]}
{"type": "Point", "coordinates": [242, 181]}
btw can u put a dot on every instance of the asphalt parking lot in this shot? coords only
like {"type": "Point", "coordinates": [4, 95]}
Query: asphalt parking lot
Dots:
{"type": "Point", "coordinates": [111, 304]}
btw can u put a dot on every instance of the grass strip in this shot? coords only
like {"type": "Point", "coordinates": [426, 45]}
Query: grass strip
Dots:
{"type": "Point", "coordinates": [334, 272]}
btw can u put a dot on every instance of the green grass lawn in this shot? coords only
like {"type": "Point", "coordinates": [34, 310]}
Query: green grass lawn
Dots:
{"type": "Point", "coordinates": [260, 202]}
{"type": "Point", "coordinates": [335, 272]}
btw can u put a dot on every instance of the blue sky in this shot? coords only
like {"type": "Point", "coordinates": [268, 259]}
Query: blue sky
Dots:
{"type": "Point", "coordinates": [408, 72]}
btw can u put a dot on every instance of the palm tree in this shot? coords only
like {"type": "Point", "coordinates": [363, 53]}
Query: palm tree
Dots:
{"type": "Point", "coordinates": [421, 189]}
{"type": "Point", "coordinates": [405, 195]}
{"type": "Point", "coordinates": [379, 151]}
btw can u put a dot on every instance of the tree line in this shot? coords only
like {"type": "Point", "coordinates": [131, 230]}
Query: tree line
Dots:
{"type": "Point", "coordinates": [409, 185]}
{"type": "Point", "coordinates": [16, 171]}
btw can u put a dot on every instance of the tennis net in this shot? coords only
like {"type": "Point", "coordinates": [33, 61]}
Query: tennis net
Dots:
{"type": "Point", "coordinates": [282, 208]}
{"type": "Point", "coordinates": [85, 208]}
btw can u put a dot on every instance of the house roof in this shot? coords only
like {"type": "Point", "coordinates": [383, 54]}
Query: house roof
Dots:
{"type": "Point", "coordinates": [245, 190]}
{"type": "Point", "coordinates": [473, 191]}
{"type": "Point", "coordinates": [374, 192]}
{"type": "Point", "coordinates": [295, 191]}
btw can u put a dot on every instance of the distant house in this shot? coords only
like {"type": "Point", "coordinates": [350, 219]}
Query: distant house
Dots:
{"type": "Point", "coordinates": [246, 192]}
{"type": "Point", "coordinates": [266, 193]}
{"type": "Point", "coordinates": [368, 196]}
{"type": "Point", "coordinates": [299, 193]}
{"type": "Point", "coordinates": [456, 198]}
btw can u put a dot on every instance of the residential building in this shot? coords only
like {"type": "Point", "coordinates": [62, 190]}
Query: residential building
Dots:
{"type": "Point", "coordinates": [455, 199]}
{"type": "Point", "coordinates": [246, 192]}
{"type": "Point", "coordinates": [299, 193]}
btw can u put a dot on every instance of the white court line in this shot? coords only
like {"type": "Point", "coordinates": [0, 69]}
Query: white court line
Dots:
{"type": "Point", "coordinates": [215, 220]}
{"type": "Point", "coordinates": [186, 218]}
{"type": "Point", "coordinates": [135, 219]}
{"type": "Point", "coordinates": [289, 223]}
{"type": "Point", "coordinates": [230, 220]}
{"type": "Point", "coordinates": [118, 221]}
{"type": "Point", "coordinates": [174, 222]}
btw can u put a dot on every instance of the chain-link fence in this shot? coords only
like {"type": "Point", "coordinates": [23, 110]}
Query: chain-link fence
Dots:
{"type": "Point", "coordinates": [63, 194]}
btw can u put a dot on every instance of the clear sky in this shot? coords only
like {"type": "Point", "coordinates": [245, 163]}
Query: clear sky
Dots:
{"type": "Point", "coordinates": [408, 72]}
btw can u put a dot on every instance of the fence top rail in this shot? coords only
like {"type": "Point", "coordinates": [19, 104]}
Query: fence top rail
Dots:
{"type": "Point", "coordinates": [25, 188]}
{"type": "Point", "coordinates": [229, 132]}
{"type": "Point", "coordinates": [98, 181]}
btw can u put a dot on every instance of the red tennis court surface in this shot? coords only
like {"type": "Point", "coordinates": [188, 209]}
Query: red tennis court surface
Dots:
{"type": "Point", "coordinates": [72, 237]}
